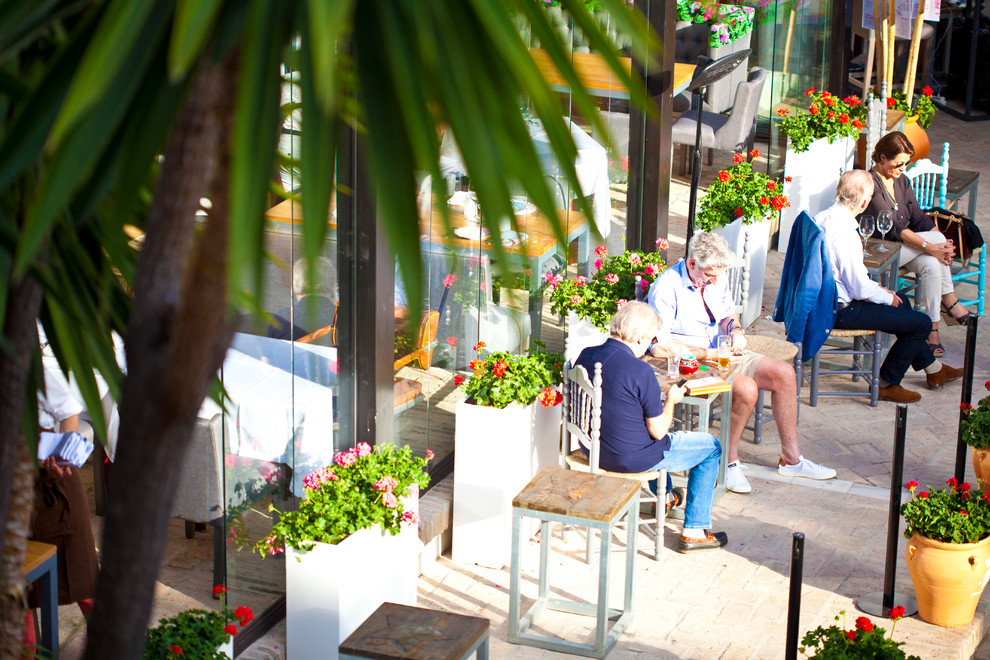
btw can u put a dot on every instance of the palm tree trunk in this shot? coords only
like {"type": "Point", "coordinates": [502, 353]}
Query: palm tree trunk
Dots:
{"type": "Point", "coordinates": [20, 333]}
{"type": "Point", "coordinates": [179, 332]}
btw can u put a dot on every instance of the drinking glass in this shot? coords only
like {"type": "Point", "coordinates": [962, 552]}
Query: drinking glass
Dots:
{"type": "Point", "coordinates": [673, 366]}
{"type": "Point", "coordinates": [885, 222]}
{"type": "Point", "coordinates": [724, 351]}
{"type": "Point", "coordinates": [866, 226]}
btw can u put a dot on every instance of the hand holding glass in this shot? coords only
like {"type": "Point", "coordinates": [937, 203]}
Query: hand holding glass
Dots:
{"type": "Point", "coordinates": [885, 222]}
{"type": "Point", "coordinates": [866, 226]}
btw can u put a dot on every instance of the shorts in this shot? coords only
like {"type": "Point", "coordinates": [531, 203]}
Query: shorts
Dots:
{"type": "Point", "coordinates": [747, 366]}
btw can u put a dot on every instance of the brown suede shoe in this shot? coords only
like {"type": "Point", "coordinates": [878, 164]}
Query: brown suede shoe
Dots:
{"type": "Point", "coordinates": [712, 541]}
{"type": "Point", "coordinates": [898, 394]}
{"type": "Point", "coordinates": [942, 376]}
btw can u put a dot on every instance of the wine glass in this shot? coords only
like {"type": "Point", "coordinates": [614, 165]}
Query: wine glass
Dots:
{"type": "Point", "coordinates": [885, 222]}
{"type": "Point", "coordinates": [866, 226]}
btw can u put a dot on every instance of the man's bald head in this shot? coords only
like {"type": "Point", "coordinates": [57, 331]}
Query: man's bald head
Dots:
{"type": "Point", "coordinates": [855, 187]}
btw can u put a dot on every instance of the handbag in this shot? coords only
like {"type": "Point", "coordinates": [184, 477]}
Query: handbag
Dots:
{"type": "Point", "coordinates": [960, 228]}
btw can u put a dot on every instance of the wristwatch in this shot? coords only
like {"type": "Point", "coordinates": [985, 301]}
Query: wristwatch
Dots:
{"type": "Point", "coordinates": [924, 244]}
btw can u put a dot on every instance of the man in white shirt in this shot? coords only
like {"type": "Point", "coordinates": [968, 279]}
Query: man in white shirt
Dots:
{"type": "Point", "coordinates": [695, 306]}
{"type": "Point", "coordinates": [865, 305]}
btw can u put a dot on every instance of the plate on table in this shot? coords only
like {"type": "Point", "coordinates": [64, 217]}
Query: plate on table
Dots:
{"type": "Point", "coordinates": [521, 206]}
{"type": "Point", "coordinates": [511, 238]}
{"type": "Point", "coordinates": [472, 233]}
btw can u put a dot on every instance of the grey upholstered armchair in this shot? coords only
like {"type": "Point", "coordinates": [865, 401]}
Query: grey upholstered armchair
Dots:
{"type": "Point", "coordinates": [735, 131]}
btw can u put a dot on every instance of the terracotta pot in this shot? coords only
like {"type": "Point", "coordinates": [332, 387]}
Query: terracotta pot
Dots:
{"type": "Point", "coordinates": [918, 137]}
{"type": "Point", "coordinates": [948, 578]}
{"type": "Point", "coordinates": [981, 467]}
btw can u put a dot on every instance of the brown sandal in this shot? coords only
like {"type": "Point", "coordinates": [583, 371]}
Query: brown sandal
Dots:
{"type": "Point", "coordinates": [948, 317]}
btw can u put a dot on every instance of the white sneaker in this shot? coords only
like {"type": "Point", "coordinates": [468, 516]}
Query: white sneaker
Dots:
{"type": "Point", "coordinates": [735, 480]}
{"type": "Point", "coordinates": [807, 469]}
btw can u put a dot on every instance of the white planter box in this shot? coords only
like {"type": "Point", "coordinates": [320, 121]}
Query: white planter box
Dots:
{"type": "Point", "coordinates": [227, 648]}
{"type": "Point", "coordinates": [580, 335]}
{"type": "Point", "coordinates": [815, 175]}
{"type": "Point", "coordinates": [496, 453]}
{"type": "Point", "coordinates": [750, 243]}
{"type": "Point", "coordinates": [332, 589]}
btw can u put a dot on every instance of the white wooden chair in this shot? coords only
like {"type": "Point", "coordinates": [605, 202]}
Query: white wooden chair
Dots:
{"type": "Point", "coordinates": [930, 185]}
{"type": "Point", "coordinates": [582, 415]}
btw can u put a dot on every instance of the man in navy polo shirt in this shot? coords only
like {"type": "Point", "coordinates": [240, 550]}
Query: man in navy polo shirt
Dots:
{"type": "Point", "coordinates": [635, 421]}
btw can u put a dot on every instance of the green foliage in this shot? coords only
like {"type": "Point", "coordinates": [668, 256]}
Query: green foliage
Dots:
{"type": "Point", "coordinates": [740, 192]}
{"type": "Point", "coordinates": [976, 422]}
{"type": "Point", "coordinates": [726, 22]}
{"type": "Point", "coordinates": [864, 642]}
{"type": "Point", "coordinates": [194, 633]}
{"type": "Point", "coordinates": [923, 108]}
{"type": "Point", "coordinates": [613, 284]}
{"type": "Point", "coordinates": [362, 488]}
{"type": "Point", "coordinates": [501, 378]}
{"type": "Point", "coordinates": [827, 117]}
{"type": "Point", "coordinates": [956, 514]}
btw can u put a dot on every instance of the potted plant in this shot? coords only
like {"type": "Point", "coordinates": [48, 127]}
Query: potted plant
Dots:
{"type": "Point", "coordinates": [976, 433]}
{"type": "Point", "coordinates": [917, 117]}
{"type": "Point", "coordinates": [820, 146]}
{"type": "Point", "coordinates": [351, 545]}
{"type": "Point", "coordinates": [591, 303]}
{"type": "Point", "coordinates": [948, 554]}
{"type": "Point", "coordinates": [196, 633]}
{"type": "Point", "coordinates": [739, 205]}
{"type": "Point", "coordinates": [865, 640]}
{"type": "Point", "coordinates": [506, 430]}
{"type": "Point", "coordinates": [715, 30]}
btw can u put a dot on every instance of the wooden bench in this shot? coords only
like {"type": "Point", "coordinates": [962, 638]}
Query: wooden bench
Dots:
{"type": "Point", "coordinates": [41, 563]}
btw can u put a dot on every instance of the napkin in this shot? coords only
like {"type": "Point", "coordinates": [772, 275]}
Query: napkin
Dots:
{"type": "Point", "coordinates": [67, 448]}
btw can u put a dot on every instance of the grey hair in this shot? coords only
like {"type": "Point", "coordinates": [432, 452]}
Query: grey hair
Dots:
{"type": "Point", "coordinates": [634, 321]}
{"type": "Point", "coordinates": [710, 250]}
{"type": "Point", "coordinates": [852, 188]}
{"type": "Point", "coordinates": [326, 277]}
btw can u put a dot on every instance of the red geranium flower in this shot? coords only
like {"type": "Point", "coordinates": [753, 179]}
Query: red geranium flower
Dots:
{"type": "Point", "coordinates": [857, 123]}
{"type": "Point", "coordinates": [755, 153]}
{"type": "Point", "coordinates": [844, 118]}
{"type": "Point", "coordinates": [964, 486]}
{"type": "Point", "coordinates": [177, 650]}
{"type": "Point", "coordinates": [480, 345]}
{"type": "Point", "coordinates": [764, 200]}
{"type": "Point", "coordinates": [952, 482]}
{"type": "Point", "coordinates": [788, 179]}
{"type": "Point", "coordinates": [230, 629]}
{"type": "Point", "coordinates": [500, 368]}
{"type": "Point", "coordinates": [864, 624]}
{"type": "Point", "coordinates": [244, 614]}
{"type": "Point", "coordinates": [724, 176]}
{"type": "Point", "coordinates": [458, 379]}
{"type": "Point", "coordinates": [896, 612]}
{"type": "Point", "coordinates": [965, 406]}
{"type": "Point", "coordinates": [987, 384]}
{"type": "Point", "coordinates": [926, 90]}
{"type": "Point", "coordinates": [738, 158]}
{"type": "Point", "coordinates": [851, 634]}
{"type": "Point", "coordinates": [923, 495]}
{"type": "Point", "coordinates": [826, 94]}
{"type": "Point", "coordinates": [830, 102]}
{"type": "Point", "coordinates": [771, 185]}
{"type": "Point", "coordinates": [219, 589]}
{"type": "Point", "coordinates": [813, 109]}
{"type": "Point", "coordinates": [911, 485]}
{"type": "Point", "coordinates": [782, 112]}
{"type": "Point", "coordinates": [963, 513]}
{"type": "Point", "coordinates": [739, 212]}
{"type": "Point", "coordinates": [811, 90]}
{"type": "Point", "coordinates": [778, 202]}
{"type": "Point", "coordinates": [891, 101]}
{"type": "Point", "coordinates": [831, 113]}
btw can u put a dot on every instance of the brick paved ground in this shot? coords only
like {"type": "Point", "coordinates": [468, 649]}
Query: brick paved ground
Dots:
{"type": "Point", "coordinates": [729, 604]}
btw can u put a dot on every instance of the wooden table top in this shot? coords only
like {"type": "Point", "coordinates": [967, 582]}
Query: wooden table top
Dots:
{"type": "Point", "coordinates": [578, 494]}
{"type": "Point", "coordinates": [660, 366]}
{"type": "Point", "coordinates": [779, 349]}
{"type": "Point", "coordinates": [596, 74]}
{"type": "Point", "coordinates": [35, 555]}
{"type": "Point", "coordinates": [414, 633]}
{"type": "Point", "coordinates": [875, 260]}
{"type": "Point", "coordinates": [541, 237]}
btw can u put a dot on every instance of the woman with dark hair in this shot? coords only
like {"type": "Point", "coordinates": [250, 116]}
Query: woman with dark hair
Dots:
{"type": "Point", "coordinates": [925, 251]}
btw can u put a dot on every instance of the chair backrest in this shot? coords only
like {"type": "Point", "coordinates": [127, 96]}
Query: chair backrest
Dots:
{"type": "Point", "coordinates": [735, 134]}
{"type": "Point", "coordinates": [582, 411]}
{"type": "Point", "coordinates": [930, 181]}
{"type": "Point", "coordinates": [199, 497]}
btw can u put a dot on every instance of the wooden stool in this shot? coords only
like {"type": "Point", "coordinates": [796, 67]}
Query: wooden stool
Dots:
{"type": "Point", "coordinates": [595, 501]}
{"type": "Point", "coordinates": [416, 633]}
{"type": "Point", "coordinates": [784, 351]}
{"type": "Point", "coordinates": [41, 563]}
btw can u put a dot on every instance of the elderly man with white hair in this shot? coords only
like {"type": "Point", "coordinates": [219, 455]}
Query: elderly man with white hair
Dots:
{"type": "Point", "coordinates": [865, 305]}
{"type": "Point", "coordinates": [635, 422]}
{"type": "Point", "coordinates": [696, 306]}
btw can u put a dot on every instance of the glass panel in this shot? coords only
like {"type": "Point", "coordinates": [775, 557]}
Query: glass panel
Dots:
{"type": "Point", "coordinates": [280, 377]}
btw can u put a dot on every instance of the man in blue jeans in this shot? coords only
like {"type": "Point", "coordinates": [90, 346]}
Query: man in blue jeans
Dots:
{"type": "Point", "coordinates": [635, 421]}
{"type": "Point", "coordinates": [865, 305]}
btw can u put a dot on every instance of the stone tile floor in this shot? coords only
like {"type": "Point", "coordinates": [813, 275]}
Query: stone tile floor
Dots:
{"type": "Point", "coordinates": [733, 603]}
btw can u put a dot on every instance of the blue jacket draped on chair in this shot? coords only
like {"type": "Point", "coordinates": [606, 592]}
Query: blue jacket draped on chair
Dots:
{"type": "Point", "coordinates": [806, 300]}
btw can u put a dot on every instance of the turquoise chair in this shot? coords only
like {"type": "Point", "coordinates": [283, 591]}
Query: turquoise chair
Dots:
{"type": "Point", "coordinates": [929, 183]}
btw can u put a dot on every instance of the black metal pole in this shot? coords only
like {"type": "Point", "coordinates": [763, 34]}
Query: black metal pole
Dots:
{"type": "Point", "coordinates": [894, 512]}
{"type": "Point", "coordinates": [972, 326]}
{"type": "Point", "coordinates": [695, 168]}
{"type": "Point", "coordinates": [794, 596]}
